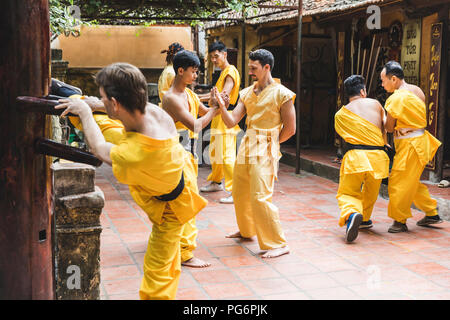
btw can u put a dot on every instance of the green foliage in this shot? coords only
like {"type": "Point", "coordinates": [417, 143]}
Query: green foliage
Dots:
{"type": "Point", "coordinates": [63, 20]}
{"type": "Point", "coordinates": [151, 11]}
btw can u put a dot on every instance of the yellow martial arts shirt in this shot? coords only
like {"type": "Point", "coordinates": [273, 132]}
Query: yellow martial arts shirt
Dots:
{"type": "Point", "coordinates": [194, 106]}
{"type": "Point", "coordinates": [152, 167]}
{"type": "Point", "coordinates": [356, 130]}
{"type": "Point", "coordinates": [105, 124]}
{"type": "Point", "coordinates": [263, 122]}
{"type": "Point", "coordinates": [217, 124]}
{"type": "Point", "coordinates": [165, 80]}
{"type": "Point", "coordinates": [410, 112]}
{"type": "Point", "coordinates": [112, 130]}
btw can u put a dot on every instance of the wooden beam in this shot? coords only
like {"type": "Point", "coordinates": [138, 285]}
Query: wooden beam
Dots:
{"type": "Point", "coordinates": [149, 18]}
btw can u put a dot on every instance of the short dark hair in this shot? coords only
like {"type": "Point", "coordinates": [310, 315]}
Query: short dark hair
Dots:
{"type": "Point", "coordinates": [218, 45]}
{"type": "Point", "coordinates": [263, 56]}
{"type": "Point", "coordinates": [353, 85]}
{"type": "Point", "coordinates": [393, 68]}
{"type": "Point", "coordinates": [185, 59]}
{"type": "Point", "coordinates": [126, 84]}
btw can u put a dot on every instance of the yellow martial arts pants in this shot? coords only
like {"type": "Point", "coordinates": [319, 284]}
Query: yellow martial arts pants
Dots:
{"type": "Point", "coordinates": [405, 188]}
{"type": "Point", "coordinates": [255, 213]}
{"type": "Point", "coordinates": [222, 154]}
{"type": "Point", "coordinates": [188, 241]}
{"type": "Point", "coordinates": [162, 261]}
{"type": "Point", "coordinates": [357, 192]}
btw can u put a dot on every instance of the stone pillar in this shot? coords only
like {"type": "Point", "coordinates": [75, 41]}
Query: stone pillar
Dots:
{"type": "Point", "coordinates": [78, 204]}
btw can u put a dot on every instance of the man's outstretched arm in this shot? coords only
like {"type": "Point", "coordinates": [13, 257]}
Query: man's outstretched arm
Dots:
{"type": "Point", "coordinates": [230, 119]}
{"type": "Point", "coordinates": [173, 107]}
{"type": "Point", "coordinates": [94, 137]}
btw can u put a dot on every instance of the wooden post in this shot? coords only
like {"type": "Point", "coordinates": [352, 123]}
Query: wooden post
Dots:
{"type": "Point", "coordinates": [299, 84]}
{"type": "Point", "coordinates": [26, 269]}
{"type": "Point", "coordinates": [243, 75]}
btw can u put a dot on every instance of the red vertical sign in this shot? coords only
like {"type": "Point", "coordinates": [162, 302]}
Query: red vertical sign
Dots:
{"type": "Point", "coordinates": [433, 94]}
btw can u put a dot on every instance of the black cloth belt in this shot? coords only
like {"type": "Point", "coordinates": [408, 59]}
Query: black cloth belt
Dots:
{"type": "Point", "coordinates": [389, 151]}
{"type": "Point", "coordinates": [175, 192]}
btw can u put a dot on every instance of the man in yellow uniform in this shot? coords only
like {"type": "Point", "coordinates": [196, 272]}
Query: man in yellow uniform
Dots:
{"type": "Point", "coordinates": [222, 146]}
{"type": "Point", "coordinates": [270, 121]}
{"type": "Point", "coordinates": [184, 106]}
{"type": "Point", "coordinates": [152, 162]}
{"type": "Point", "coordinates": [360, 124]}
{"type": "Point", "coordinates": [166, 78]}
{"type": "Point", "coordinates": [415, 147]}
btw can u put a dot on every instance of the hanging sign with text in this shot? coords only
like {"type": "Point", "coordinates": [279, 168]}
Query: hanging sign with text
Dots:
{"type": "Point", "coordinates": [410, 56]}
{"type": "Point", "coordinates": [433, 94]}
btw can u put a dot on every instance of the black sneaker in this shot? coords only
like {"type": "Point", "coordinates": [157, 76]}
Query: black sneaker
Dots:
{"type": "Point", "coordinates": [398, 227]}
{"type": "Point", "coordinates": [366, 224]}
{"type": "Point", "coordinates": [426, 221]}
{"type": "Point", "coordinates": [353, 223]}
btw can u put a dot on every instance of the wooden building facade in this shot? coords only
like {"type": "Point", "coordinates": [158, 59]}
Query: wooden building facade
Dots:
{"type": "Point", "coordinates": [340, 38]}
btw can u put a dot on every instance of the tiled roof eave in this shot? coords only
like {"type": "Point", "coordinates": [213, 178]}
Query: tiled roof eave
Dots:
{"type": "Point", "coordinates": [308, 10]}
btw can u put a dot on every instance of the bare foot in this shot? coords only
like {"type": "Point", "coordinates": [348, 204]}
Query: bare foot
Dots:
{"type": "Point", "coordinates": [235, 235]}
{"type": "Point", "coordinates": [195, 263]}
{"type": "Point", "coordinates": [273, 253]}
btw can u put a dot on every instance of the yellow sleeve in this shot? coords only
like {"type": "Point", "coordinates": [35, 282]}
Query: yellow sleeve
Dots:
{"type": "Point", "coordinates": [165, 82]}
{"type": "Point", "coordinates": [75, 121]}
{"type": "Point", "coordinates": [284, 95]}
{"type": "Point", "coordinates": [394, 105]}
{"type": "Point", "coordinates": [121, 167]}
{"type": "Point", "coordinates": [234, 94]}
{"type": "Point", "coordinates": [113, 130]}
{"type": "Point", "coordinates": [118, 162]}
{"type": "Point", "coordinates": [243, 94]}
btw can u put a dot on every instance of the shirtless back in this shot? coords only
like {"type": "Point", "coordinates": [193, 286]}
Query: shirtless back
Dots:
{"type": "Point", "coordinates": [157, 124]}
{"type": "Point", "coordinates": [369, 109]}
{"type": "Point", "coordinates": [414, 89]}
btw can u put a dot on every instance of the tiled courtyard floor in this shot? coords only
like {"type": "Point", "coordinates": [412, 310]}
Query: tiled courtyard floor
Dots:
{"type": "Point", "coordinates": [378, 265]}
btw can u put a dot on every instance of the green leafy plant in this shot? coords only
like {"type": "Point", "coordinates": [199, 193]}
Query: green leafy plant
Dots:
{"type": "Point", "coordinates": [64, 18]}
